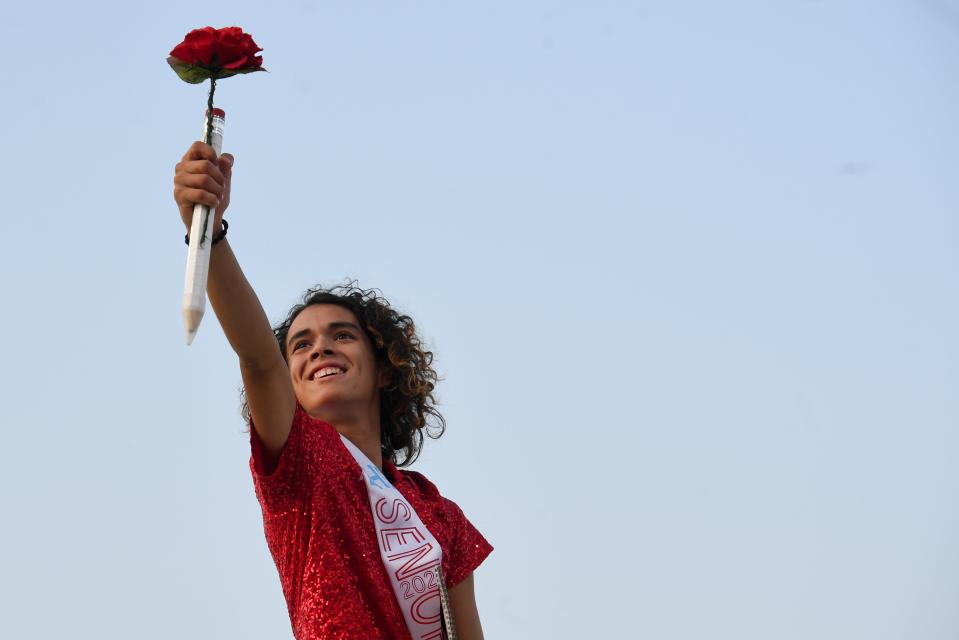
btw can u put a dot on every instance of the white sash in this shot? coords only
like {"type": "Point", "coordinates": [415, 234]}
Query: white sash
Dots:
{"type": "Point", "coordinates": [410, 553]}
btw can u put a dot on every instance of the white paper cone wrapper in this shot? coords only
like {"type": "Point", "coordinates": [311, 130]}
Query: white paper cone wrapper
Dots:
{"type": "Point", "coordinates": [198, 256]}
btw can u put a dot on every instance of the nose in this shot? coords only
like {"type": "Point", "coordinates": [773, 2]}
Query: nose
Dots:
{"type": "Point", "coordinates": [320, 350]}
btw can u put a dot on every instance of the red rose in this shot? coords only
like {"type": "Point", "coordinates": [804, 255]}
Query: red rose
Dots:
{"type": "Point", "coordinates": [215, 53]}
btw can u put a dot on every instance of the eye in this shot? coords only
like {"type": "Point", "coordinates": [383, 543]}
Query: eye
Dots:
{"type": "Point", "coordinates": [343, 334]}
{"type": "Point", "coordinates": [299, 344]}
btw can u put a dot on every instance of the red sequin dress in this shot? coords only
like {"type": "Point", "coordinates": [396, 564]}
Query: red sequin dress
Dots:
{"type": "Point", "coordinates": [319, 528]}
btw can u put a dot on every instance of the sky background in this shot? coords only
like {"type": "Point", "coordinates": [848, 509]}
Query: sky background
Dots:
{"type": "Point", "coordinates": [689, 270]}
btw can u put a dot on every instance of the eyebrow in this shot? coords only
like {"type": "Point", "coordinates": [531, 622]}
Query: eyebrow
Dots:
{"type": "Point", "coordinates": [330, 327]}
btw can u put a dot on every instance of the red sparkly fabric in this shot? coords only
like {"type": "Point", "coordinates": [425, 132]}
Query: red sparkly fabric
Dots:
{"type": "Point", "coordinates": [319, 528]}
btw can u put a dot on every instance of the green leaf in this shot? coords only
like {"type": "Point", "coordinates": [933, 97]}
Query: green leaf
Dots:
{"type": "Point", "coordinates": [188, 72]}
{"type": "Point", "coordinates": [249, 70]}
{"type": "Point", "coordinates": [195, 74]}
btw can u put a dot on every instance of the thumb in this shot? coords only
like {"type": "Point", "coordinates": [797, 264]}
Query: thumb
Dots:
{"type": "Point", "coordinates": [226, 160]}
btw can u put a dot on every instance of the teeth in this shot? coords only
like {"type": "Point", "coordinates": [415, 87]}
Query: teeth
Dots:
{"type": "Point", "coordinates": [326, 371]}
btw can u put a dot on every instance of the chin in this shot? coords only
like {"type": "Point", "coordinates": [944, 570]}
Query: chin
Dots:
{"type": "Point", "coordinates": [322, 407]}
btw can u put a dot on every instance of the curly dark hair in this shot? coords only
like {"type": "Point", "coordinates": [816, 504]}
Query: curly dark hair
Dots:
{"type": "Point", "coordinates": [407, 404]}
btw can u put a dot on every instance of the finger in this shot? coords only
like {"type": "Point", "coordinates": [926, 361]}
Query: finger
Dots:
{"type": "Point", "coordinates": [200, 181]}
{"type": "Point", "coordinates": [226, 165]}
{"type": "Point", "coordinates": [202, 167]}
{"type": "Point", "coordinates": [195, 196]}
{"type": "Point", "coordinates": [200, 150]}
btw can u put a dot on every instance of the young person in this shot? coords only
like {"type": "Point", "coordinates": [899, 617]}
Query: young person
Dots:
{"type": "Point", "coordinates": [337, 396]}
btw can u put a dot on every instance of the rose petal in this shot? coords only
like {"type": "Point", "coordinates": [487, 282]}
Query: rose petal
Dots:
{"type": "Point", "coordinates": [230, 54]}
{"type": "Point", "coordinates": [203, 44]}
{"type": "Point", "coordinates": [184, 52]}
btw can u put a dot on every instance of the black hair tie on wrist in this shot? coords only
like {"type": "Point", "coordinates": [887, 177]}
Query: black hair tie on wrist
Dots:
{"type": "Point", "coordinates": [222, 235]}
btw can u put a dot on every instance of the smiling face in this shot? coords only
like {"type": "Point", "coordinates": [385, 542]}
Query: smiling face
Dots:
{"type": "Point", "coordinates": [332, 365]}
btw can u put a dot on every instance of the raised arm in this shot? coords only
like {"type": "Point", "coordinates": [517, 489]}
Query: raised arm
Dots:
{"type": "Point", "coordinates": [203, 178]}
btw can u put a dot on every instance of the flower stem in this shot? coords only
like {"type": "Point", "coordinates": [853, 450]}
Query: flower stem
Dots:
{"type": "Point", "coordinates": [209, 108]}
{"type": "Point", "coordinates": [209, 141]}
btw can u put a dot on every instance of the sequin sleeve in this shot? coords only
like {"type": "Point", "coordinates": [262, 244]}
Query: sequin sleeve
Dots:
{"type": "Point", "coordinates": [275, 479]}
{"type": "Point", "coordinates": [468, 547]}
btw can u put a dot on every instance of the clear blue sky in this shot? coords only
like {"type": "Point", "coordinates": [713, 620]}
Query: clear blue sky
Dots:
{"type": "Point", "coordinates": [689, 270]}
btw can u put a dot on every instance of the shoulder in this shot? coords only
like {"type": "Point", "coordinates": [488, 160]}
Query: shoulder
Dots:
{"type": "Point", "coordinates": [419, 483]}
{"type": "Point", "coordinates": [464, 547]}
{"type": "Point", "coordinates": [439, 505]}
{"type": "Point", "coordinates": [425, 490]}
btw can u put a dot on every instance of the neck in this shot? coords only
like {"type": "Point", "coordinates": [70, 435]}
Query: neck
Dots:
{"type": "Point", "coordinates": [366, 437]}
{"type": "Point", "coordinates": [359, 424]}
